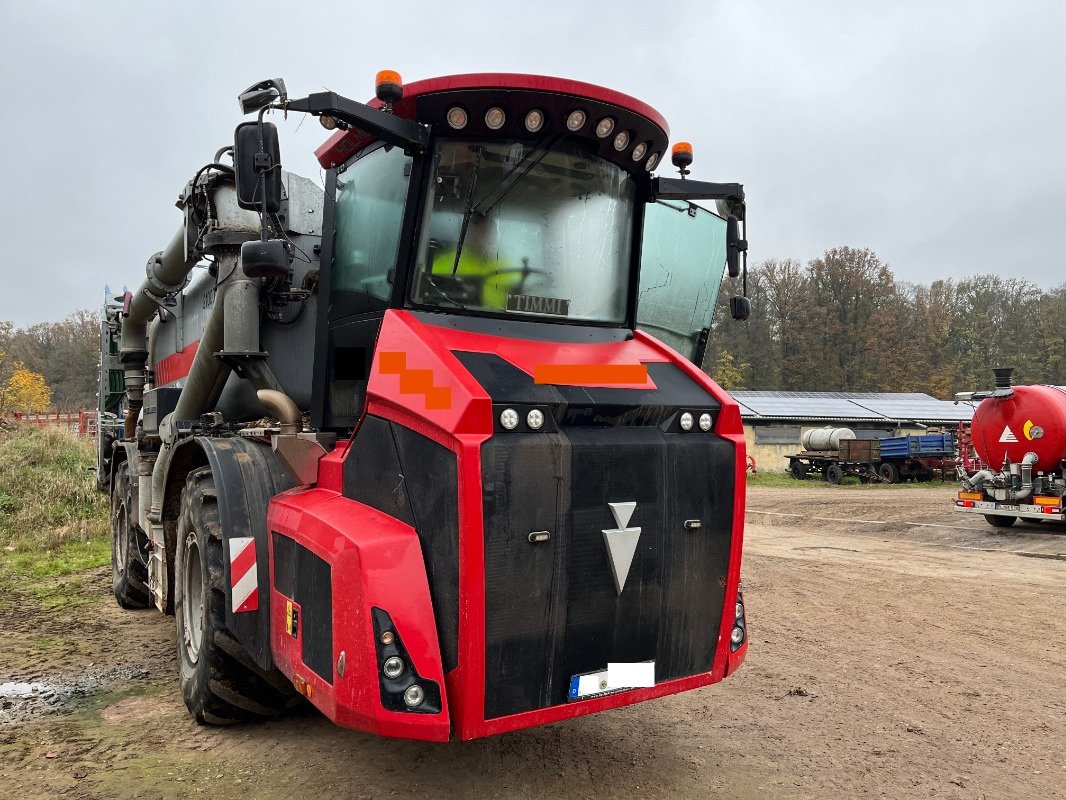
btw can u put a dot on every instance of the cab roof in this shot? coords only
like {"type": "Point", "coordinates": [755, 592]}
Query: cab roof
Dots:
{"type": "Point", "coordinates": [428, 100]}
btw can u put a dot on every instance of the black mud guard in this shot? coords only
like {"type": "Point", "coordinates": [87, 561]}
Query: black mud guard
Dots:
{"type": "Point", "coordinates": [247, 474]}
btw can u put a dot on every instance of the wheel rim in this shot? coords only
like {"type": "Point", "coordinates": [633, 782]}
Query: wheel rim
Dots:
{"type": "Point", "coordinates": [192, 612]}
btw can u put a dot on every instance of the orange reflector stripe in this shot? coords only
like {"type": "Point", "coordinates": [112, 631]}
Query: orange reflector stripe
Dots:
{"type": "Point", "coordinates": [970, 496]}
{"type": "Point", "coordinates": [589, 374]}
{"type": "Point", "coordinates": [1047, 501]}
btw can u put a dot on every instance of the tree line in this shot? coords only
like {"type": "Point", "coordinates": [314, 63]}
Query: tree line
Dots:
{"type": "Point", "coordinates": [843, 322]}
{"type": "Point", "coordinates": [50, 365]}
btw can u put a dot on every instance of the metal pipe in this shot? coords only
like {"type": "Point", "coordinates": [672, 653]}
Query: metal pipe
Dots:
{"type": "Point", "coordinates": [282, 406]}
{"type": "Point", "coordinates": [165, 274]}
{"type": "Point", "coordinates": [1026, 487]}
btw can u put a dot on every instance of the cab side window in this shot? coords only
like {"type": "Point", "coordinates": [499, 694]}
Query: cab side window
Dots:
{"type": "Point", "coordinates": [371, 194]}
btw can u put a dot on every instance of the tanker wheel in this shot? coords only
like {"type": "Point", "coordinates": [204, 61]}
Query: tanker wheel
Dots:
{"type": "Point", "coordinates": [220, 682]}
{"type": "Point", "coordinates": [797, 471]}
{"type": "Point", "coordinates": [889, 472]}
{"type": "Point", "coordinates": [999, 521]}
{"type": "Point", "coordinates": [129, 572]}
{"type": "Point", "coordinates": [834, 474]}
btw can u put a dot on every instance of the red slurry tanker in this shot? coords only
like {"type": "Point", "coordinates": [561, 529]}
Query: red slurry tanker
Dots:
{"type": "Point", "coordinates": [1019, 433]}
{"type": "Point", "coordinates": [432, 448]}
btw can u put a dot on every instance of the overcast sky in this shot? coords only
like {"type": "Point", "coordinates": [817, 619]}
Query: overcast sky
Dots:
{"type": "Point", "coordinates": [931, 132]}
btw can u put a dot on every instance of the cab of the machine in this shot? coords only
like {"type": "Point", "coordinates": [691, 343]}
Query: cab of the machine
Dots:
{"type": "Point", "coordinates": [530, 202]}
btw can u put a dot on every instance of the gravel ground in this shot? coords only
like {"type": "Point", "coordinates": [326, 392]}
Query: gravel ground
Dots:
{"type": "Point", "coordinates": [898, 650]}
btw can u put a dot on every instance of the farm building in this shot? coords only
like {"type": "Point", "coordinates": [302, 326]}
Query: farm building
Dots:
{"type": "Point", "coordinates": [775, 421]}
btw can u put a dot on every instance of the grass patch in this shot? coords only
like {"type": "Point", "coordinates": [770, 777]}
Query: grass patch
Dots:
{"type": "Point", "coordinates": [54, 525]}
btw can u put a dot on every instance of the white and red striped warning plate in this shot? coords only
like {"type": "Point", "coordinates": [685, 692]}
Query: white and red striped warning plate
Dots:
{"type": "Point", "coordinates": [243, 575]}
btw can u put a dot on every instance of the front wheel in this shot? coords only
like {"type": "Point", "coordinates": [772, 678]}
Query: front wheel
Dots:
{"type": "Point", "coordinates": [834, 474]}
{"type": "Point", "coordinates": [220, 682]}
{"type": "Point", "coordinates": [797, 471]}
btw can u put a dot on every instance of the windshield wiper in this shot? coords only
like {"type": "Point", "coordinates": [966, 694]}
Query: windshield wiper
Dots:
{"type": "Point", "coordinates": [514, 175]}
{"type": "Point", "coordinates": [467, 211]}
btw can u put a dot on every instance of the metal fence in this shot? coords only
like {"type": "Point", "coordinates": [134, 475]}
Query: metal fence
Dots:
{"type": "Point", "coordinates": [79, 423]}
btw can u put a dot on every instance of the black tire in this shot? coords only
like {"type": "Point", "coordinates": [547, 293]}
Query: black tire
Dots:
{"type": "Point", "coordinates": [220, 682]}
{"type": "Point", "coordinates": [834, 474]}
{"type": "Point", "coordinates": [889, 472]}
{"type": "Point", "coordinates": [797, 471]}
{"type": "Point", "coordinates": [1000, 521]}
{"type": "Point", "coordinates": [129, 570]}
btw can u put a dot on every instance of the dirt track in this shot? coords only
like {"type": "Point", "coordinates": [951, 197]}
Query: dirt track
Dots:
{"type": "Point", "coordinates": [899, 650]}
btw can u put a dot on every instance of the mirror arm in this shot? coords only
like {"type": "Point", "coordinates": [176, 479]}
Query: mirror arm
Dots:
{"type": "Point", "coordinates": [677, 189]}
{"type": "Point", "coordinates": [389, 128]}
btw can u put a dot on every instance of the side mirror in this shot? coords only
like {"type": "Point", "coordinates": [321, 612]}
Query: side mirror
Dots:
{"type": "Point", "coordinates": [739, 308]}
{"type": "Point", "coordinates": [267, 259]}
{"type": "Point", "coordinates": [734, 246]}
{"type": "Point", "coordinates": [257, 164]}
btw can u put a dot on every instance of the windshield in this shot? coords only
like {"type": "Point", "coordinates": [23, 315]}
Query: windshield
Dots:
{"type": "Point", "coordinates": [526, 228]}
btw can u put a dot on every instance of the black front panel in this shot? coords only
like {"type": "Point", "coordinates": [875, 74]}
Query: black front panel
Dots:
{"type": "Point", "coordinates": [552, 608]}
{"type": "Point", "coordinates": [307, 580]}
{"type": "Point", "coordinates": [415, 480]}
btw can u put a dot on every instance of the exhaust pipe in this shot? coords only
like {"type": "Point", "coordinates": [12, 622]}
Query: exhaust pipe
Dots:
{"type": "Point", "coordinates": [284, 408]}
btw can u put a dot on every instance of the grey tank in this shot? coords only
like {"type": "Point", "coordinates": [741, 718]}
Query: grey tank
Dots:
{"type": "Point", "coordinates": [288, 340]}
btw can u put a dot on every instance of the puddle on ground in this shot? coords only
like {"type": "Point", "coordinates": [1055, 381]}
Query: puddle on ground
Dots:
{"type": "Point", "coordinates": [23, 699]}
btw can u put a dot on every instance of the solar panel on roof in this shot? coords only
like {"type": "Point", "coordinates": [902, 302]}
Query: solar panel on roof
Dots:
{"type": "Point", "coordinates": [857, 406]}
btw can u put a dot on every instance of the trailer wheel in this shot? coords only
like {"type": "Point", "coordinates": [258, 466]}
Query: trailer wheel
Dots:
{"type": "Point", "coordinates": [129, 573]}
{"type": "Point", "coordinates": [797, 471]}
{"type": "Point", "coordinates": [834, 474]}
{"type": "Point", "coordinates": [999, 520]}
{"type": "Point", "coordinates": [219, 682]}
{"type": "Point", "coordinates": [889, 472]}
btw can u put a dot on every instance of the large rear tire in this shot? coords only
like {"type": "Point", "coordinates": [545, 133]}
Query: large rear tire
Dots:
{"type": "Point", "coordinates": [1000, 521]}
{"type": "Point", "coordinates": [220, 682]}
{"type": "Point", "coordinates": [129, 570]}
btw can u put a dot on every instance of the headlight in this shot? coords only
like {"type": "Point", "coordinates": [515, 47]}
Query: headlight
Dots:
{"type": "Point", "coordinates": [535, 419]}
{"type": "Point", "coordinates": [705, 422]}
{"type": "Point", "coordinates": [393, 667]}
{"type": "Point", "coordinates": [686, 421]}
{"type": "Point", "coordinates": [509, 418]}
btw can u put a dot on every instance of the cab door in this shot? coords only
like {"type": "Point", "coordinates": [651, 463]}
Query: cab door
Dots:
{"type": "Point", "coordinates": [682, 261]}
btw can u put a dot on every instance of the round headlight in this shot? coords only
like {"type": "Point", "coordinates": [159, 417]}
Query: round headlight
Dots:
{"type": "Point", "coordinates": [576, 120]}
{"type": "Point", "coordinates": [705, 422]}
{"type": "Point", "coordinates": [494, 118]}
{"type": "Point", "coordinates": [392, 667]}
{"type": "Point", "coordinates": [639, 151]}
{"type": "Point", "coordinates": [737, 636]}
{"type": "Point", "coordinates": [457, 118]}
{"type": "Point", "coordinates": [413, 696]}
{"type": "Point", "coordinates": [534, 120]}
{"type": "Point", "coordinates": [621, 141]}
{"type": "Point", "coordinates": [686, 421]}
{"type": "Point", "coordinates": [328, 122]}
{"type": "Point", "coordinates": [604, 127]}
{"type": "Point", "coordinates": [740, 610]}
{"type": "Point", "coordinates": [535, 419]}
{"type": "Point", "coordinates": [653, 159]}
{"type": "Point", "coordinates": [509, 418]}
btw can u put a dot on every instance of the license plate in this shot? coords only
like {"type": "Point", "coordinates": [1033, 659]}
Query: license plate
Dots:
{"type": "Point", "coordinates": [618, 677]}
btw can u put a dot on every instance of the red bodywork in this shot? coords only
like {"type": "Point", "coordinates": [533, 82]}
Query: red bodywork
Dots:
{"type": "Point", "coordinates": [376, 560]}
